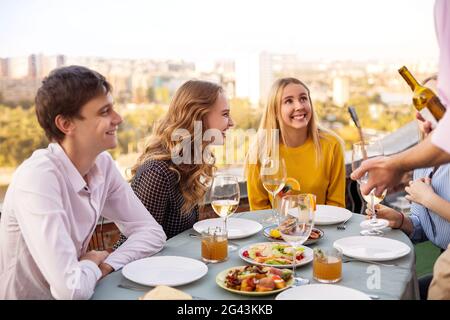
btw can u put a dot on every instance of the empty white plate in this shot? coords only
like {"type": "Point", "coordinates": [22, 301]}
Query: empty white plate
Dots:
{"type": "Point", "coordinates": [164, 270]}
{"type": "Point", "coordinates": [372, 248]}
{"type": "Point", "coordinates": [326, 215]}
{"type": "Point", "coordinates": [322, 292]}
{"type": "Point", "coordinates": [237, 228]}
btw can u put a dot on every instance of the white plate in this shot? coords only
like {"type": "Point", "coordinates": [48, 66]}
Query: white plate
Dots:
{"type": "Point", "coordinates": [372, 248]}
{"type": "Point", "coordinates": [237, 228]}
{"type": "Point", "coordinates": [326, 215]}
{"type": "Point", "coordinates": [322, 292]}
{"type": "Point", "coordinates": [308, 256]}
{"type": "Point", "coordinates": [164, 270]}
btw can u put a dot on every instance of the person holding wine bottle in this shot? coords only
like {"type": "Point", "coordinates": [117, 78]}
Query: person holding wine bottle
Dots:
{"type": "Point", "coordinates": [434, 150]}
{"type": "Point", "coordinates": [311, 154]}
{"type": "Point", "coordinates": [172, 190]}
{"type": "Point", "coordinates": [430, 208]}
{"type": "Point", "coordinates": [386, 172]}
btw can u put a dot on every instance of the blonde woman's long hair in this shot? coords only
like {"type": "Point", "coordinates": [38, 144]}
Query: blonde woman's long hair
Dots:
{"type": "Point", "coordinates": [271, 121]}
{"type": "Point", "coordinates": [191, 102]}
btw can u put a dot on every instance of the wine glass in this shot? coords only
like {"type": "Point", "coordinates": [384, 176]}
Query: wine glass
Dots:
{"type": "Point", "coordinates": [273, 176]}
{"type": "Point", "coordinates": [225, 196]}
{"type": "Point", "coordinates": [296, 221]}
{"type": "Point", "coordinates": [361, 152]}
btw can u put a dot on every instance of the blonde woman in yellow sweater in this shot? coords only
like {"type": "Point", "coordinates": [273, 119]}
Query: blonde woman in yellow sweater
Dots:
{"type": "Point", "coordinates": [313, 155]}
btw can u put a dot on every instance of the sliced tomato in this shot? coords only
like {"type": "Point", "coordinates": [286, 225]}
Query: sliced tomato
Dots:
{"type": "Point", "coordinates": [245, 254]}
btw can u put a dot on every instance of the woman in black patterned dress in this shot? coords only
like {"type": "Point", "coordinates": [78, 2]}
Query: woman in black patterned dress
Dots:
{"type": "Point", "coordinates": [172, 175]}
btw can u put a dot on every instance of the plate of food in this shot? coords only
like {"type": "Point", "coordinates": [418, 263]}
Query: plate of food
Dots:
{"type": "Point", "coordinates": [275, 254]}
{"type": "Point", "coordinates": [273, 233]}
{"type": "Point", "coordinates": [255, 280]}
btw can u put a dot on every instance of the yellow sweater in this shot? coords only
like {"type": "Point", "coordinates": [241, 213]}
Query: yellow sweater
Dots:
{"type": "Point", "coordinates": [326, 180]}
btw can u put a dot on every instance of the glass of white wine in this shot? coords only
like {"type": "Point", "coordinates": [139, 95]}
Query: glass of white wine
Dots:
{"type": "Point", "coordinates": [361, 152]}
{"type": "Point", "coordinates": [273, 176]}
{"type": "Point", "coordinates": [225, 195]}
{"type": "Point", "coordinates": [295, 224]}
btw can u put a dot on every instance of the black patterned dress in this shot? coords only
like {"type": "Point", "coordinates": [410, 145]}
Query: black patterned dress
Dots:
{"type": "Point", "coordinates": [158, 189]}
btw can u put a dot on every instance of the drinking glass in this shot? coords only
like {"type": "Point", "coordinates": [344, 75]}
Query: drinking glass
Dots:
{"type": "Point", "coordinates": [273, 176]}
{"type": "Point", "coordinates": [225, 197]}
{"type": "Point", "coordinates": [296, 221]}
{"type": "Point", "coordinates": [327, 265]}
{"type": "Point", "coordinates": [214, 245]}
{"type": "Point", "coordinates": [361, 152]}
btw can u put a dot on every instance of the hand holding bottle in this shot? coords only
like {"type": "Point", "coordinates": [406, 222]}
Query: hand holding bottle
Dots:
{"type": "Point", "coordinates": [425, 126]}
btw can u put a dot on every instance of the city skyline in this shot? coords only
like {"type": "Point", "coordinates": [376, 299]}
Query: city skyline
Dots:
{"type": "Point", "coordinates": [252, 79]}
{"type": "Point", "coordinates": [202, 31]}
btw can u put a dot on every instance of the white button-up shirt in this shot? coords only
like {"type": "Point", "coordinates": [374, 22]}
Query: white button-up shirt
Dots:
{"type": "Point", "coordinates": [48, 217]}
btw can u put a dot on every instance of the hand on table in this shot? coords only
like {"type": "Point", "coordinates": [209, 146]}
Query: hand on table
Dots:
{"type": "Point", "coordinates": [95, 256]}
{"type": "Point", "coordinates": [98, 257]}
{"type": "Point", "coordinates": [394, 217]}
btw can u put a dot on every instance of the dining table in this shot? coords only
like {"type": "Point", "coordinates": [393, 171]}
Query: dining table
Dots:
{"type": "Point", "coordinates": [389, 280]}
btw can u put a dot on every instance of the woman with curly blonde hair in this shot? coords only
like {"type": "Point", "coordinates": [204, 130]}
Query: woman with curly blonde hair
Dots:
{"type": "Point", "coordinates": [172, 175]}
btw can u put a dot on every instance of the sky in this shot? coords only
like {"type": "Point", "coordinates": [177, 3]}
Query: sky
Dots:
{"type": "Point", "coordinates": [211, 29]}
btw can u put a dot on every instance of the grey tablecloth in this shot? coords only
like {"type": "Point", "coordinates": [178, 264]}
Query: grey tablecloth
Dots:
{"type": "Point", "coordinates": [395, 282]}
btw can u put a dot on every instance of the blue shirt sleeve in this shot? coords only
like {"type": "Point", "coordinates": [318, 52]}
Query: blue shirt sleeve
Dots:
{"type": "Point", "coordinates": [418, 235]}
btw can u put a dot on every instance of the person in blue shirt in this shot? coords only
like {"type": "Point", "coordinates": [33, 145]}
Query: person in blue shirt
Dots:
{"type": "Point", "coordinates": [429, 192]}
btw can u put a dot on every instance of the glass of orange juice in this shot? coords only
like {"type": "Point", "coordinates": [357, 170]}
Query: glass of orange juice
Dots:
{"type": "Point", "coordinates": [214, 245]}
{"type": "Point", "coordinates": [327, 265]}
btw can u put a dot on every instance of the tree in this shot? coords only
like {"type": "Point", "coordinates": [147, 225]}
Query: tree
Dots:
{"type": "Point", "coordinates": [20, 135]}
{"type": "Point", "coordinates": [243, 115]}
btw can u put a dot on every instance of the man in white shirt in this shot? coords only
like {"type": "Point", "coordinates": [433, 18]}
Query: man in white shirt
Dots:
{"type": "Point", "coordinates": [56, 197]}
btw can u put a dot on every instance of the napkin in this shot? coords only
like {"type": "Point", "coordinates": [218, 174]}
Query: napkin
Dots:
{"type": "Point", "coordinates": [165, 293]}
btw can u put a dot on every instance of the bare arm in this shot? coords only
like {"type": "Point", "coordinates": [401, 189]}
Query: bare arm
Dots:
{"type": "Point", "coordinates": [386, 172]}
{"type": "Point", "coordinates": [421, 192]}
{"type": "Point", "coordinates": [425, 154]}
{"type": "Point", "coordinates": [438, 205]}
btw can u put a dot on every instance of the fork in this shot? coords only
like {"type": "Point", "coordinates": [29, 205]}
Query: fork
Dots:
{"type": "Point", "coordinates": [372, 262]}
{"type": "Point", "coordinates": [342, 226]}
{"type": "Point", "coordinates": [132, 287]}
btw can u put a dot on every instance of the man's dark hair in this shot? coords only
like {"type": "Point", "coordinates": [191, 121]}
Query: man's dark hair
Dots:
{"type": "Point", "coordinates": [64, 92]}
